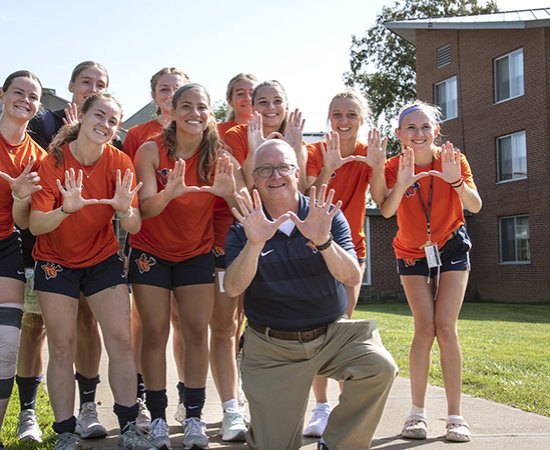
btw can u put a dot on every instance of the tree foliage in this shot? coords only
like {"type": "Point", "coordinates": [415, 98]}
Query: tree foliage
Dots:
{"type": "Point", "coordinates": [383, 65]}
{"type": "Point", "coordinates": [221, 108]}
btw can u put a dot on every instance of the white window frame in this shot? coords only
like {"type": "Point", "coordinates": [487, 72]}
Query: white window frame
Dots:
{"type": "Point", "coordinates": [518, 143]}
{"type": "Point", "coordinates": [516, 72]}
{"type": "Point", "coordinates": [449, 109]}
{"type": "Point", "coordinates": [517, 241]}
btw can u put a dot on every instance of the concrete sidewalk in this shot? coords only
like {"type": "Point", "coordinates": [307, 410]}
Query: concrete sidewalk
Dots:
{"type": "Point", "coordinates": [494, 426]}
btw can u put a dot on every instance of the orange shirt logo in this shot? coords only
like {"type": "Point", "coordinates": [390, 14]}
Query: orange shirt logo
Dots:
{"type": "Point", "coordinates": [162, 176]}
{"type": "Point", "coordinates": [144, 263]}
{"type": "Point", "coordinates": [51, 269]}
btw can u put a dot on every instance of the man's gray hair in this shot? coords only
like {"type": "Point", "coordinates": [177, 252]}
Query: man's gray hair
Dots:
{"type": "Point", "coordinates": [279, 143]}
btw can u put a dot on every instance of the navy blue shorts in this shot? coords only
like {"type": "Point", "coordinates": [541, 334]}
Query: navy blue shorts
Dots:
{"type": "Point", "coordinates": [11, 258]}
{"type": "Point", "coordinates": [145, 268]}
{"type": "Point", "coordinates": [455, 255]}
{"type": "Point", "coordinates": [52, 277]}
{"type": "Point", "coordinates": [219, 259]}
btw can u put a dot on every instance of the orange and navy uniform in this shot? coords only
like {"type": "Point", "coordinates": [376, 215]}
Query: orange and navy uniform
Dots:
{"type": "Point", "coordinates": [223, 218]}
{"type": "Point", "coordinates": [13, 160]}
{"type": "Point", "coordinates": [446, 216]}
{"type": "Point", "coordinates": [184, 228]}
{"type": "Point", "coordinates": [138, 135]}
{"type": "Point", "coordinates": [350, 183]}
{"type": "Point", "coordinates": [86, 237]}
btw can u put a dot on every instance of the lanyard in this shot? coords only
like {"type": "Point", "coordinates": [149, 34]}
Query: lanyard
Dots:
{"type": "Point", "coordinates": [428, 210]}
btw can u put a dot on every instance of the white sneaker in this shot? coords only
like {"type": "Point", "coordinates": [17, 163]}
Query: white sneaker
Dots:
{"type": "Point", "coordinates": [233, 426]}
{"type": "Point", "coordinates": [180, 413]}
{"type": "Point", "coordinates": [87, 423]}
{"type": "Point", "coordinates": [194, 434]}
{"type": "Point", "coordinates": [28, 429]}
{"type": "Point", "coordinates": [159, 434]}
{"type": "Point", "coordinates": [134, 439]}
{"type": "Point", "coordinates": [143, 419]}
{"type": "Point", "coordinates": [67, 441]}
{"type": "Point", "coordinates": [318, 422]}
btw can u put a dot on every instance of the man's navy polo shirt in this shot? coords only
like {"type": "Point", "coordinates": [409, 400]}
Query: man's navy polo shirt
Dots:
{"type": "Point", "coordinates": [293, 289]}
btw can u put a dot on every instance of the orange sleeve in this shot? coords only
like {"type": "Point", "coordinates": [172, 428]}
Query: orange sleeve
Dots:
{"type": "Point", "coordinates": [314, 160]}
{"type": "Point", "coordinates": [224, 127]}
{"type": "Point", "coordinates": [237, 139]}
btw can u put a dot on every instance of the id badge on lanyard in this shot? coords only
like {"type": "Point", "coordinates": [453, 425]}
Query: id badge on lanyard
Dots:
{"type": "Point", "coordinates": [430, 248]}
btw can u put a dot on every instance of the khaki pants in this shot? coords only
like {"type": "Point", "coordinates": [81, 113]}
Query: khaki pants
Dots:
{"type": "Point", "coordinates": [277, 376]}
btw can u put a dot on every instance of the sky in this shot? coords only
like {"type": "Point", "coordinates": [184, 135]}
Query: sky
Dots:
{"type": "Point", "coordinates": [305, 44]}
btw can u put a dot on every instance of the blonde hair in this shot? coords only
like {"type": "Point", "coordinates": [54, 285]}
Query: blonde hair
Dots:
{"type": "Point", "coordinates": [231, 87]}
{"type": "Point", "coordinates": [69, 132]}
{"type": "Point", "coordinates": [210, 145]}
{"type": "Point", "coordinates": [364, 108]}
{"type": "Point", "coordinates": [86, 65]}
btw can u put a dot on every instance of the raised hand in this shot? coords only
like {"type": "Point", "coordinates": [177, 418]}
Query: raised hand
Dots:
{"type": "Point", "coordinates": [294, 129]}
{"type": "Point", "coordinates": [257, 226]}
{"type": "Point", "coordinates": [255, 132]}
{"type": "Point", "coordinates": [224, 179]}
{"type": "Point", "coordinates": [71, 114]}
{"type": "Point", "coordinates": [124, 194]}
{"type": "Point", "coordinates": [26, 183]}
{"type": "Point", "coordinates": [72, 192]}
{"type": "Point", "coordinates": [376, 155]}
{"type": "Point", "coordinates": [450, 164]}
{"type": "Point", "coordinates": [405, 175]}
{"type": "Point", "coordinates": [175, 186]}
{"type": "Point", "coordinates": [332, 157]}
{"type": "Point", "coordinates": [317, 224]}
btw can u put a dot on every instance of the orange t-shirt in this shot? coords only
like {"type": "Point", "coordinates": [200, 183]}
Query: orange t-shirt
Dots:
{"type": "Point", "coordinates": [446, 214]}
{"type": "Point", "coordinates": [86, 237]}
{"type": "Point", "coordinates": [223, 218]}
{"type": "Point", "coordinates": [184, 228]}
{"type": "Point", "coordinates": [138, 135]}
{"type": "Point", "coordinates": [13, 160]}
{"type": "Point", "coordinates": [350, 184]}
{"type": "Point", "coordinates": [237, 139]}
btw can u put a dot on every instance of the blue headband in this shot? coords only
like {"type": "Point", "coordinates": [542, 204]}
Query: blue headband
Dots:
{"type": "Point", "coordinates": [408, 111]}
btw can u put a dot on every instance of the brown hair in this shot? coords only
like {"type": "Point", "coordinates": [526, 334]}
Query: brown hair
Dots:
{"type": "Point", "coordinates": [20, 74]}
{"type": "Point", "coordinates": [275, 84]}
{"type": "Point", "coordinates": [210, 145]}
{"type": "Point", "coordinates": [69, 133]}
{"type": "Point", "coordinates": [164, 71]}
{"type": "Point", "coordinates": [86, 65]}
{"type": "Point", "coordinates": [231, 87]}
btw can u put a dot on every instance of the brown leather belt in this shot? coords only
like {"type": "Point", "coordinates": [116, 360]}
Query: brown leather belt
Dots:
{"type": "Point", "coordinates": [302, 336]}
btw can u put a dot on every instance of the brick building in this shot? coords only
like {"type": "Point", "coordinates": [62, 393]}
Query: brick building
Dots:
{"type": "Point", "coordinates": [490, 74]}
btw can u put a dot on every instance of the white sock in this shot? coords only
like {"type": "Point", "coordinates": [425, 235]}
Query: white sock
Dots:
{"type": "Point", "coordinates": [323, 405]}
{"type": "Point", "coordinates": [418, 411]}
{"type": "Point", "coordinates": [453, 417]}
{"type": "Point", "coordinates": [230, 404]}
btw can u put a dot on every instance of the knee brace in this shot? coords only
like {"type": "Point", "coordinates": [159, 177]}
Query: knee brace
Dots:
{"type": "Point", "coordinates": [10, 327]}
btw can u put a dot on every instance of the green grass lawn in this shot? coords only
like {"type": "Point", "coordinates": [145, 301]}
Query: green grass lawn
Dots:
{"type": "Point", "coordinates": [505, 350]}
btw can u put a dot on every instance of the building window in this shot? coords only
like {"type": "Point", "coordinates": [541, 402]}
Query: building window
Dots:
{"type": "Point", "coordinates": [443, 56]}
{"type": "Point", "coordinates": [514, 239]}
{"type": "Point", "coordinates": [509, 76]}
{"type": "Point", "coordinates": [446, 98]}
{"type": "Point", "coordinates": [512, 157]}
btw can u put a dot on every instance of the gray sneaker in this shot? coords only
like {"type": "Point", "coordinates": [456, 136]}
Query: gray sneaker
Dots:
{"type": "Point", "coordinates": [67, 441]}
{"type": "Point", "coordinates": [159, 434]}
{"type": "Point", "coordinates": [233, 427]}
{"type": "Point", "coordinates": [134, 439]}
{"type": "Point", "coordinates": [194, 434]}
{"type": "Point", "coordinates": [28, 429]}
{"type": "Point", "coordinates": [87, 423]}
{"type": "Point", "coordinates": [143, 419]}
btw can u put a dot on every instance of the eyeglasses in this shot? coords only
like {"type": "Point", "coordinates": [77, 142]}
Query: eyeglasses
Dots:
{"type": "Point", "coordinates": [284, 170]}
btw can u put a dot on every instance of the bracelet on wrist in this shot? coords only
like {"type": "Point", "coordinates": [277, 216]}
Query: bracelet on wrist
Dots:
{"type": "Point", "coordinates": [457, 183]}
{"type": "Point", "coordinates": [128, 213]}
{"type": "Point", "coordinates": [326, 245]}
{"type": "Point", "coordinates": [19, 199]}
{"type": "Point", "coordinates": [65, 212]}
{"type": "Point", "coordinates": [456, 186]}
